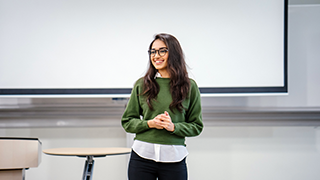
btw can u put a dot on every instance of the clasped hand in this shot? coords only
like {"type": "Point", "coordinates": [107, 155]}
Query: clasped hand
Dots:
{"type": "Point", "coordinates": [162, 121]}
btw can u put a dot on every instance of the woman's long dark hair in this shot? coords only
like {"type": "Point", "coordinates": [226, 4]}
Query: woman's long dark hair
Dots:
{"type": "Point", "coordinates": [176, 67]}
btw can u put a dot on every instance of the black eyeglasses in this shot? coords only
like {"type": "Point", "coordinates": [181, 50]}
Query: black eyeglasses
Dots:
{"type": "Point", "coordinates": [161, 52]}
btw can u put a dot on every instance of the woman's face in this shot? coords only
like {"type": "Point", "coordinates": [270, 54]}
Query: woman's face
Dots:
{"type": "Point", "coordinates": [158, 61]}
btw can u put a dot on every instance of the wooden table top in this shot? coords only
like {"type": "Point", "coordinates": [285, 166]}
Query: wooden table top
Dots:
{"type": "Point", "coordinates": [87, 151]}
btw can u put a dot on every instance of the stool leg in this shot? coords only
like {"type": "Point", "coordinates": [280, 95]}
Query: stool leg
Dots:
{"type": "Point", "coordinates": [88, 168]}
{"type": "Point", "coordinates": [23, 173]}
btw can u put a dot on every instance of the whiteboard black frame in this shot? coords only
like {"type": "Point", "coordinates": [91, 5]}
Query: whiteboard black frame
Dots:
{"type": "Point", "coordinates": [205, 91]}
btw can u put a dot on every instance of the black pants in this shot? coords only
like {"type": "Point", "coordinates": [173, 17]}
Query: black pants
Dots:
{"type": "Point", "coordinates": [144, 169]}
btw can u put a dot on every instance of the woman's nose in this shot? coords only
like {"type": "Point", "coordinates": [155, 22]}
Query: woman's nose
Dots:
{"type": "Point", "coordinates": [157, 54]}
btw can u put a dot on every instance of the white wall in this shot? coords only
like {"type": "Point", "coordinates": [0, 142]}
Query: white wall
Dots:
{"type": "Point", "coordinates": [224, 153]}
{"type": "Point", "coordinates": [251, 153]}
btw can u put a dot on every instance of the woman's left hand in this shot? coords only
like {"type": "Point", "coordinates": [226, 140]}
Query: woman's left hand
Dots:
{"type": "Point", "coordinates": [166, 121]}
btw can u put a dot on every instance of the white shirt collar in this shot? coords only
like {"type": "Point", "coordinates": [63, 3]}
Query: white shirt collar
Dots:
{"type": "Point", "coordinates": [157, 75]}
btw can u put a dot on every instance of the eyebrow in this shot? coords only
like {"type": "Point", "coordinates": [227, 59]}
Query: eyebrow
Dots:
{"type": "Point", "coordinates": [159, 48]}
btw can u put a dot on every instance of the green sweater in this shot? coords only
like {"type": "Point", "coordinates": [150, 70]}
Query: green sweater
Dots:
{"type": "Point", "coordinates": [187, 124]}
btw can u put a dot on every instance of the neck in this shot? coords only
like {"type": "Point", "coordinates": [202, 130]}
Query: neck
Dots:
{"type": "Point", "coordinates": [164, 73]}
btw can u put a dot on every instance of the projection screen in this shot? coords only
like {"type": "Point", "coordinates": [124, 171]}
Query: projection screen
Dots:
{"type": "Point", "coordinates": [99, 47]}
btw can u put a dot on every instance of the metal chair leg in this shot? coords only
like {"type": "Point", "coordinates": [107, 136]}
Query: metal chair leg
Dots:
{"type": "Point", "coordinates": [88, 168]}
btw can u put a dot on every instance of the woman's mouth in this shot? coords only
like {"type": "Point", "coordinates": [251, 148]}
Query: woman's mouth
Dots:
{"type": "Point", "coordinates": [159, 61]}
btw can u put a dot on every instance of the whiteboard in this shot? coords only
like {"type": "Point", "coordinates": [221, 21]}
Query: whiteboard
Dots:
{"type": "Point", "coordinates": [99, 47]}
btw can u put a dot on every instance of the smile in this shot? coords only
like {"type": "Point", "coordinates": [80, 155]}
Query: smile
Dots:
{"type": "Point", "coordinates": [159, 61]}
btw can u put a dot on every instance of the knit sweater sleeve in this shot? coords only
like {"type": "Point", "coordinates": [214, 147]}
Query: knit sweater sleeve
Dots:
{"type": "Point", "coordinates": [130, 120]}
{"type": "Point", "coordinates": [193, 121]}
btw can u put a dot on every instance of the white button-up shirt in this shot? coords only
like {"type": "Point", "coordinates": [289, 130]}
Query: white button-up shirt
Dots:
{"type": "Point", "coordinates": [160, 152]}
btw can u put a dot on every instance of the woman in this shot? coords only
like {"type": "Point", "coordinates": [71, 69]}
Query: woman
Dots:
{"type": "Point", "coordinates": [163, 109]}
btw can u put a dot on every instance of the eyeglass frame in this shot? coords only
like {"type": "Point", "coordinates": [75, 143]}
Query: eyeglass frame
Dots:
{"type": "Point", "coordinates": [166, 49]}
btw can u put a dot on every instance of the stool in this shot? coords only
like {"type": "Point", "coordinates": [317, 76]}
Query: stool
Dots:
{"type": "Point", "coordinates": [89, 153]}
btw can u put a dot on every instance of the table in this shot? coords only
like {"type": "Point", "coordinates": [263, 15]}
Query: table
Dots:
{"type": "Point", "coordinates": [89, 153]}
{"type": "Point", "coordinates": [18, 154]}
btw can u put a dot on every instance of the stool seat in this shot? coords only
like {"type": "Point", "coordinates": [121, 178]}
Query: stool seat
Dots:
{"type": "Point", "coordinates": [87, 151]}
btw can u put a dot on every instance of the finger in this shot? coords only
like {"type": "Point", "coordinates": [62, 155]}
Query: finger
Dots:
{"type": "Point", "coordinates": [157, 120]}
{"type": "Point", "coordinates": [166, 124]}
{"type": "Point", "coordinates": [168, 127]}
{"type": "Point", "coordinates": [165, 119]}
{"type": "Point", "coordinates": [158, 125]}
{"type": "Point", "coordinates": [166, 113]}
{"type": "Point", "coordinates": [161, 117]}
